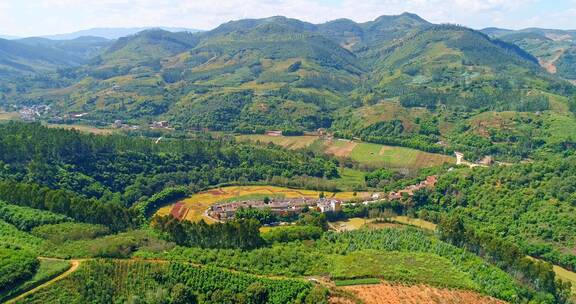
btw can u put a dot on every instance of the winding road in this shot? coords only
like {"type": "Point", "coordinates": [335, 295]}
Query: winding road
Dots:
{"type": "Point", "coordinates": [74, 267]}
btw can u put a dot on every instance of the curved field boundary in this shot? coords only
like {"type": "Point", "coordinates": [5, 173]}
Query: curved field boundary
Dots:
{"type": "Point", "coordinates": [194, 207]}
{"type": "Point", "coordinates": [74, 266]}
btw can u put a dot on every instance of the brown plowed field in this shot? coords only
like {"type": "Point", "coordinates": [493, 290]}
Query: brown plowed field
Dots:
{"type": "Point", "coordinates": [417, 294]}
{"type": "Point", "coordinates": [340, 148]}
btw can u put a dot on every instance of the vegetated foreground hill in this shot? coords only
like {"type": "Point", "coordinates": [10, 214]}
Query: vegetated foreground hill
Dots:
{"type": "Point", "coordinates": [279, 72]}
{"type": "Point", "coordinates": [74, 195]}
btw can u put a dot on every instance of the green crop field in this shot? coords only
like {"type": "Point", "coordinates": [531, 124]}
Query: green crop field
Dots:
{"type": "Point", "coordinates": [131, 281]}
{"type": "Point", "coordinates": [396, 157]}
{"type": "Point", "coordinates": [400, 267]}
{"type": "Point", "coordinates": [368, 154]}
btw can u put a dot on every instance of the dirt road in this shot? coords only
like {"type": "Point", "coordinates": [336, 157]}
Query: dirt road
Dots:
{"type": "Point", "coordinates": [74, 267]}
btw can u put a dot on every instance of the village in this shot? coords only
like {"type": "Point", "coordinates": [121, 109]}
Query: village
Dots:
{"type": "Point", "coordinates": [289, 207]}
{"type": "Point", "coordinates": [281, 207]}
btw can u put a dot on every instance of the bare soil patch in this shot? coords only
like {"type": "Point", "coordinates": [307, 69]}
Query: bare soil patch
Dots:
{"type": "Point", "coordinates": [341, 148]}
{"type": "Point", "coordinates": [418, 294]}
{"type": "Point", "coordinates": [424, 160]}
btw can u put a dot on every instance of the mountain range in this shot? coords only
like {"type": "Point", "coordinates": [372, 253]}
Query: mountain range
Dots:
{"type": "Point", "coordinates": [279, 72]}
{"type": "Point", "coordinates": [113, 32]}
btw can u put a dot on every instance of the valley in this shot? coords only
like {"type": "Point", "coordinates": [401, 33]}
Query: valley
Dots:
{"type": "Point", "coordinates": [276, 160]}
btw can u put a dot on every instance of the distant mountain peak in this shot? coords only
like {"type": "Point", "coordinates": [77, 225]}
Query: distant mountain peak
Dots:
{"type": "Point", "coordinates": [113, 33]}
{"type": "Point", "coordinates": [410, 16]}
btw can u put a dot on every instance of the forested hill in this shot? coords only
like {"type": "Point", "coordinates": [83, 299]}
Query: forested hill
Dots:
{"type": "Point", "coordinates": [63, 171]}
{"type": "Point", "coordinates": [279, 72]}
{"type": "Point", "coordinates": [16, 58]}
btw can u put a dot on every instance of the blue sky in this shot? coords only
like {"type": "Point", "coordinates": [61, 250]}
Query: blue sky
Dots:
{"type": "Point", "coordinates": [43, 17]}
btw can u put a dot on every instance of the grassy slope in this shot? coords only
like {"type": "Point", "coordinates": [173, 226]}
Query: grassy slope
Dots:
{"type": "Point", "coordinates": [400, 267]}
{"type": "Point", "coordinates": [373, 155]}
{"type": "Point", "coordinates": [49, 269]}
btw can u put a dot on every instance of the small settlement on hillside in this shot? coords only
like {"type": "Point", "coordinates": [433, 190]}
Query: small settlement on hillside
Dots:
{"type": "Point", "coordinates": [282, 207]}
{"type": "Point", "coordinates": [429, 182]}
{"type": "Point", "coordinates": [293, 206]}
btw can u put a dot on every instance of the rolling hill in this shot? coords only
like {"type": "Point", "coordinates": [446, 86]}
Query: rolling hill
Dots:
{"type": "Point", "coordinates": [284, 73]}
{"type": "Point", "coordinates": [555, 49]}
{"type": "Point", "coordinates": [319, 155]}
{"type": "Point", "coordinates": [16, 58]}
{"type": "Point", "coordinates": [85, 47]}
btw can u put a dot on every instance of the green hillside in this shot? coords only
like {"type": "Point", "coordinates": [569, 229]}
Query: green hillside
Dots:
{"type": "Point", "coordinates": [82, 47]}
{"type": "Point", "coordinates": [281, 73]}
{"type": "Point", "coordinates": [18, 58]}
{"type": "Point", "coordinates": [555, 49]}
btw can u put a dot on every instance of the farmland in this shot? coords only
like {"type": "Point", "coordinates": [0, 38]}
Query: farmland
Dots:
{"type": "Point", "coordinates": [376, 155]}
{"type": "Point", "coordinates": [193, 208]}
{"type": "Point", "coordinates": [8, 115]}
{"type": "Point", "coordinates": [408, 267]}
{"type": "Point", "coordinates": [130, 280]}
{"type": "Point", "coordinates": [83, 128]}
{"type": "Point", "coordinates": [404, 255]}
{"type": "Point", "coordinates": [388, 293]}
{"type": "Point", "coordinates": [357, 223]}
{"type": "Point", "coordinates": [289, 142]}
{"type": "Point", "coordinates": [367, 154]}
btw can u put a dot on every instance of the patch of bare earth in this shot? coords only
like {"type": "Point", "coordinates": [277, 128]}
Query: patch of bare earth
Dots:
{"type": "Point", "coordinates": [427, 160]}
{"type": "Point", "coordinates": [341, 300]}
{"type": "Point", "coordinates": [550, 64]}
{"type": "Point", "coordinates": [416, 294]}
{"type": "Point", "coordinates": [343, 149]}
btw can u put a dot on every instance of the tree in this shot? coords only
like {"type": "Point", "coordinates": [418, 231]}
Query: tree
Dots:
{"type": "Point", "coordinates": [452, 229]}
{"type": "Point", "coordinates": [314, 219]}
{"type": "Point", "coordinates": [318, 295]}
{"type": "Point", "coordinates": [181, 294]}
{"type": "Point", "coordinates": [257, 293]}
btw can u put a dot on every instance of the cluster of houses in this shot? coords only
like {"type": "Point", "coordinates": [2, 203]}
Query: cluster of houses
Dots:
{"type": "Point", "coordinates": [282, 207]}
{"type": "Point", "coordinates": [409, 191]}
{"type": "Point", "coordinates": [294, 206]}
{"type": "Point", "coordinates": [323, 133]}
{"type": "Point", "coordinates": [119, 124]}
{"type": "Point", "coordinates": [33, 112]}
{"type": "Point", "coordinates": [160, 125]}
